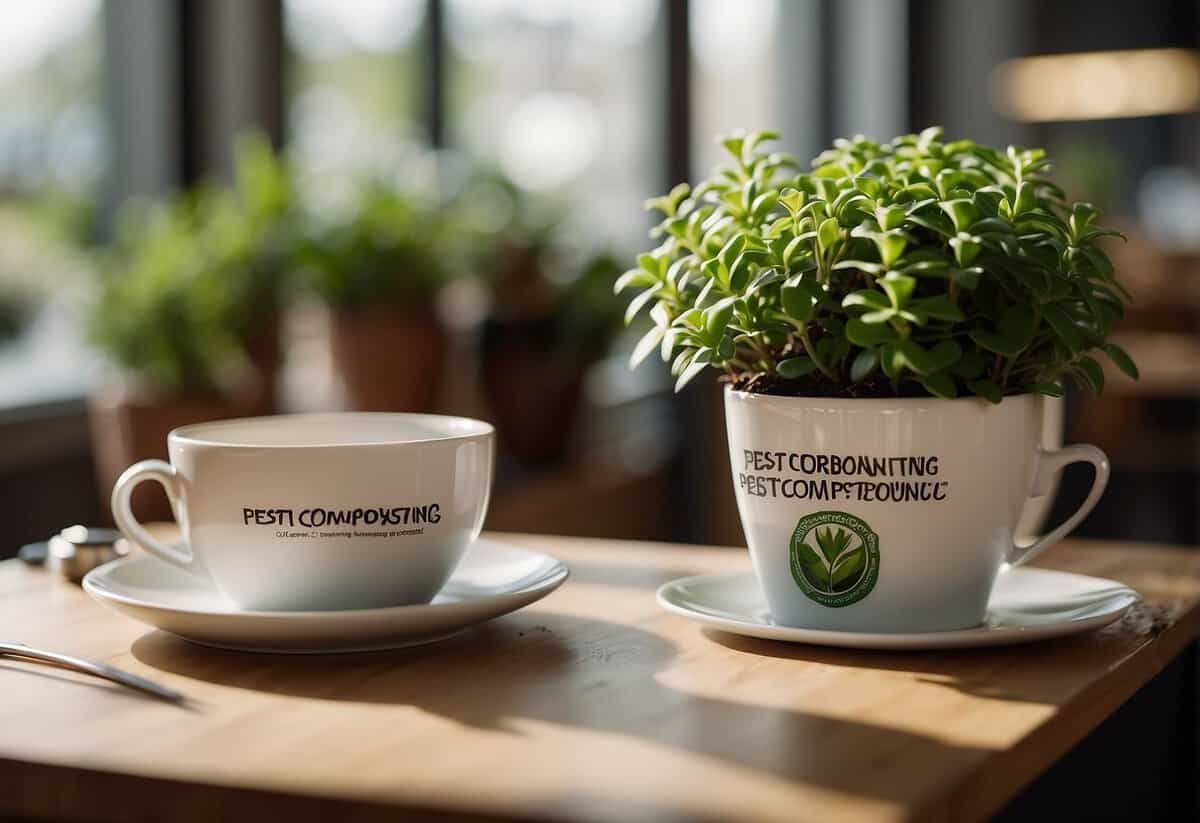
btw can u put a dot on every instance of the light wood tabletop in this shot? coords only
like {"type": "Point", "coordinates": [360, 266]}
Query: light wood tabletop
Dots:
{"type": "Point", "coordinates": [592, 705]}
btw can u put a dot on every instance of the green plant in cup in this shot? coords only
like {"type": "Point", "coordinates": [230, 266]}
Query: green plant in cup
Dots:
{"type": "Point", "coordinates": [915, 267]}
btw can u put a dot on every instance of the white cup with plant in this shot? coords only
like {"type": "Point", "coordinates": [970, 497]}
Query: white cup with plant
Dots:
{"type": "Point", "coordinates": [888, 324]}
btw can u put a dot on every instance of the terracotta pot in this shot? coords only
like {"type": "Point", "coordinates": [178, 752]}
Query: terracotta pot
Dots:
{"type": "Point", "coordinates": [389, 359]}
{"type": "Point", "coordinates": [127, 427]}
{"type": "Point", "coordinates": [534, 396]}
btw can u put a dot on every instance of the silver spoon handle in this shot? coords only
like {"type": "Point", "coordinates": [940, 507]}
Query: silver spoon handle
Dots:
{"type": "Point", "coordinates": [101, 670]}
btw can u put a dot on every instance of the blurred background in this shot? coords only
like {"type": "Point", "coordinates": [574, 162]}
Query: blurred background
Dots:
{"type": "Point", "coordinates": [214, 208]}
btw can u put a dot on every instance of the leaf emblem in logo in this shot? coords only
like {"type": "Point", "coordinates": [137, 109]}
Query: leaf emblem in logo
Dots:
{"type": "Point", "coordinates": [838, 564]}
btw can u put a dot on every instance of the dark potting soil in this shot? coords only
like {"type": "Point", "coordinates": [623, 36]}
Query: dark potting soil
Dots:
{"type": "Point", "coordinates": [818, 385]}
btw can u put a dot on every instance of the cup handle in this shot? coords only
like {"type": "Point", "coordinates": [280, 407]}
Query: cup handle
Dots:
{"type": "Point", "coordinates": [122, 511]}
{"type": "Point", "coordinates": [1049, 462]}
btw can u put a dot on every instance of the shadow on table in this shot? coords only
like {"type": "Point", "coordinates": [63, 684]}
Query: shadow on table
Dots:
{"type": "Point", "coordinates": [590, 674]}
{"type": "Point", "coordinates": [1000, 672]}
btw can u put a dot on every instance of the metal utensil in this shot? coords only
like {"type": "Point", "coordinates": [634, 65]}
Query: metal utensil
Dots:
{"type": "Point", "coordinates": [101, 670]}
{"type": "Point", "coordinates": [76, 550]}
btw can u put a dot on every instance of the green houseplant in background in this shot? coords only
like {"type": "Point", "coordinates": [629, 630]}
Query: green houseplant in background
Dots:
{"type": "Point", "coordinates": [552, 316]}
{"type": "Point", "coordinates": [535, 354]}
{"type": "Point", "coordinates": [899, 302]}
{"type": "Point", "coordinates": [260, 228]}
{"type": "Point", "coordinates": [168, 318]}
{"type": "Point", "coordinates": [380, 269]}
{"type": "Point", "coordinates": [187, 312]}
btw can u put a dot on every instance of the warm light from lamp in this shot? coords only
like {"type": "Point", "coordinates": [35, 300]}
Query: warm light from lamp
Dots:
{"type": "Point", "coordinates": [1098, 85]}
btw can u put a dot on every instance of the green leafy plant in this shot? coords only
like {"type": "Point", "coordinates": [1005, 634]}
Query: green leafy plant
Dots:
{"type": "Point", "coordinates": [511, 240]}
{"type": "Point", "coordinates": [385, 251]}
{"type": "Point", "coordinates": [915, 267]}
{"type": "Point", "coordinates": [259, 224]}
{"type": "Point", "coordinates": [165, 311]}
{"type": "Point", "coordinates": [836, 567]}
{"type": "Point", "coordinates": [189, 284]}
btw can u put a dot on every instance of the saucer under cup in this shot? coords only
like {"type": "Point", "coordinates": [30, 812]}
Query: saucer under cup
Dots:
{"type": "Point", "coordinates": [1026, 604]}
{"type": "Point", "coordinates": [494, 578]}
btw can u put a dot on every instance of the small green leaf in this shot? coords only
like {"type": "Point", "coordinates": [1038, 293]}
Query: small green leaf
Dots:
{"type": "Point", "coordinates": [962, 213]}
{"type": "Point", "coordinates": [732, 248]}
{"type": "Point", "coordinates": [967, 278]}
{"type": "Point", "coordinates": [638, 303]}
{"type": "Point", "coordinates": [944, 355]}
{"type": "Point", "coordinates": [795, 367]}
{"type": "Point", "coordinates": [966, 248]}
{"type": "Point", "coordinates": [869, 334]}
{"type": "Point", "coordinates": [899, 288]}
{"type": "Point", "coordinates": [1051, 389]}
{"type": "Point", "coordinates": [915, 356]}
{"type": "Point", "coordinates": [986, 389]}
{"type": "Point", "coordinates": [889, 217]}
{"type": "Point", "coordinates": [939, 307]}
{"type": "Point", "coordinates": [890, 246]}
{"type": "Point", "coordinates": [733, 145]}
{"type": "Point", "coordinates": [1082, 215]}
{"type": "Point", "coordinates": [940, 385]}
{"type": "Point", "coordinates": [866, 298]}
{"type": "Point", "coordinates": [1121, 360]}
{"type": "Point", "coordinates": [792, 200]}
{"type": "Point", "coordinates": [1094, 374]}
{"type": "Point", "coordinates": [717, 317]}
{"type": "Point", "coordinates": [863, 365]}
{"type": "Point", "coordinates": [649, 342]}
{"type": "Point", "coordinates": [634, 277]}
{"type": "Point", "coordinates": [992, 342]}
{"type": "Point", "coordinates": [1064, 327]}
{"type": "Point", "coordinates": [891, 361]}
{"type": "Point", "coordinates": [828, 234]}
{"type": "Point", "coordinates": [697, 365]}
{"type": "Point", "coordinates": [800, 299]}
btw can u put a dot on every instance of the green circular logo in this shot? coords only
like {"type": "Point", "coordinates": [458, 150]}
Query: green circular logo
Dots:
{"type": "Point", "coordinates": [834, 558]}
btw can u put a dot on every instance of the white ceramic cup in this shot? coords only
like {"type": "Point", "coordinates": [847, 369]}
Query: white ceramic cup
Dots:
{"type": "Point", "coordinates": [320, 511]}
{"type": "Point", "coordinates": [890, 515]}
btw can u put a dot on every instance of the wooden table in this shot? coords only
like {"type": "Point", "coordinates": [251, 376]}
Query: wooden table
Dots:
{"type": "Point", "coordinates": [591, 705]}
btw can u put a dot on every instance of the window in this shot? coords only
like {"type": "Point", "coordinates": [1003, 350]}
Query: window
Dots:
{"type": "Point", "coordinates": [53, 157]}
{"type": "Point", "coordinates": [353, 79]}
{"type": "Point", "coordinates": [734, 73]}
{"type": "Point", "coordinates": [562, 97]}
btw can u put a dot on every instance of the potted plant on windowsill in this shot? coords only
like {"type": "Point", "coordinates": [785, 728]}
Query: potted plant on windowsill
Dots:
{"type": "Point", "coordinates": [258, 224]}
{"type": "Point", "coordinates": [551, 313]}
{"type": "Point", "coordinates": [379, 270]}
{"type": "Point", "coordinates": [887, 324]}
{"type": "Point", "coordinates": [536, 347]}
{"type": "Point", "coordinates": [169, 319]}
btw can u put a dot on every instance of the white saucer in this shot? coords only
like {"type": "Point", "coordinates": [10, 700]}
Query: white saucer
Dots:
{"type": "Point", "coordinates": [492, 579]}
{"type": "Point", "coordinates": [1027, 604]}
